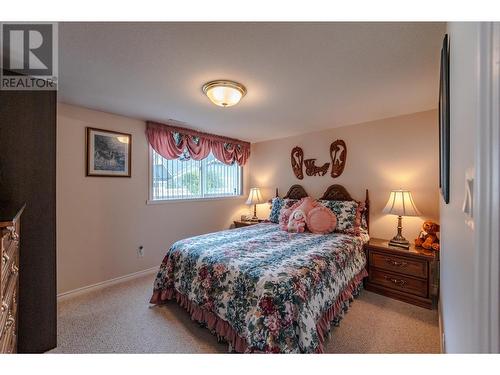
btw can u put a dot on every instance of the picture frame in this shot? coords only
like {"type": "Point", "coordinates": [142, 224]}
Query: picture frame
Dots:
{"type": "Point", "coordinates": [444, 121]}
{"type": "Point", "coordinates": [108, 153]}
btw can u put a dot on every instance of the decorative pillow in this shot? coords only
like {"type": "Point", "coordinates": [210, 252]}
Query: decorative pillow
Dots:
{"type": "Point", "coordinates": [284, 218]}
{"type": "Point", "coordinates": [275, 209]}
{"type": "Point", "coordinates": [277, 205]}
{"type": "Point", "coordinates": [348, 215]}
{"type": "Point", "coordinates": [321, 220]}
{"type": "Point", "coordinates": [364, 222]}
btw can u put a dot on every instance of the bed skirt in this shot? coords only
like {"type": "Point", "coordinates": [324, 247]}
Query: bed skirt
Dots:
{"type": "Point", "coordinates": [224, 331]}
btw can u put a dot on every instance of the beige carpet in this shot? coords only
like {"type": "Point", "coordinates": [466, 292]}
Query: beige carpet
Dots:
{"type": "Point", "coordinates": [118, 319]}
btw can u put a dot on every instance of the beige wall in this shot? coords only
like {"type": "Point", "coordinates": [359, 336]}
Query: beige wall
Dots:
{"type": "Point", "coordinates": [101, 220]}
{"type": "Point", "coordinates": [399, 152]}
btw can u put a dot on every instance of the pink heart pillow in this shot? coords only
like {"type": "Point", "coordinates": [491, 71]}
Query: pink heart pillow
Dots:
{"type": "Point", "coordinates": [321, 220]}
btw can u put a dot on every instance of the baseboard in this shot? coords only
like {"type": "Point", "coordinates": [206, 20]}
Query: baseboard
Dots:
{"type": "Point", "coordinates": [104, 284]}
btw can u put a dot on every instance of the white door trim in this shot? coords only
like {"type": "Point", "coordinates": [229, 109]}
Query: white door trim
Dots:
{"type": "Point", "coordinates": [487, 195]}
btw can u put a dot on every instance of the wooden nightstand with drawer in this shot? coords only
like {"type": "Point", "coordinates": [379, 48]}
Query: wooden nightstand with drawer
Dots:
{"type": "Point", "coordinates": [245, 223]}
{"type": "Point", "coordinates": [410, 275]}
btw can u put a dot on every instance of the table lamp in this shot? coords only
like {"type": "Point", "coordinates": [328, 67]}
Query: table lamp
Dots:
{"type": "Point", "coordinates": [255, 198]}
{"type": "Point", "coordinates": [400, 203]}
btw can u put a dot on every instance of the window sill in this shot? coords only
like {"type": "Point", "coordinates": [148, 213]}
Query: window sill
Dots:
{"type": "Point", "coordinates": [167, 201]}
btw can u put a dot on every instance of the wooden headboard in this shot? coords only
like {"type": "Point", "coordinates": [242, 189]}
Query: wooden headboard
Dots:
{"type": "Point", "coordinates": [295, 192]}
{"type": "Point", "coordinates": [333, 193]}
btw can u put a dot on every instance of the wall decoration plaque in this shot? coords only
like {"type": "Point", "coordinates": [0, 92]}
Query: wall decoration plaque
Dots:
{"type": "Point", "coordinates": [338, 154]}
{"type": "Point", "coordinates": [313, 170]}
{"type": "Point", "coordinates": [297, 159]}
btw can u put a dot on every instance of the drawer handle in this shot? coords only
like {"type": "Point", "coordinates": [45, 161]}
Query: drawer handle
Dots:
{"type": "Point", "coordinates": [395, 281]}
{"type": "Point", "coordinates": [10, 321]}
{"type": "Point", "coordinates": [13, 235]}
{"type": "Point", "coordinates": [393, 262]}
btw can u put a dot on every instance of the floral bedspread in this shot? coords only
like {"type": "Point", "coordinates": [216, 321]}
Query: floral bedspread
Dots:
{"type": "Point", "coordinates": [272, 287]}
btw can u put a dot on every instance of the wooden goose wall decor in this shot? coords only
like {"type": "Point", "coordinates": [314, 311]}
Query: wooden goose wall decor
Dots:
{"type": "Point", "coordinates": [297, 157]}
{"type": "Point", "coordinates": [338, 155]}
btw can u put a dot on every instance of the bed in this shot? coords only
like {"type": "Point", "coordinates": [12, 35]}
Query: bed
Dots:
{"type": "Point", "coordinates": [262, 289]}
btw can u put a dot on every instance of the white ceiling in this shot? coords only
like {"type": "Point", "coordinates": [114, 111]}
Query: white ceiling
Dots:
{"type": "Point", "coordinates": [300, 77]}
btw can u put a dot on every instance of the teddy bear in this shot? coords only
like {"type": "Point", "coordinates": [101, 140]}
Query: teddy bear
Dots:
{"type": "Point", "coordinates": [428, 237]}
{"type": "Point", "coordinates": [297, 222]}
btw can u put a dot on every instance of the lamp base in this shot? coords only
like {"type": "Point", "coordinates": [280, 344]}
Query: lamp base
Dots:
{"type": "Point", "coordinates": [254, 217]}
{"type": "Point", "coordinates": [400, 242]}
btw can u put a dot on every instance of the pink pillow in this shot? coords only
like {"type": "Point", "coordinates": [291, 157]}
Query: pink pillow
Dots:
{"type": "Point", "coordinates": [321, 220]}
{"type": "Point", "coordinates": [284, 217]}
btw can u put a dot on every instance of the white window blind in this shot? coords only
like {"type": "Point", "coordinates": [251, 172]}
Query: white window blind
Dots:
{"type": "Point", "coordinates": [185, 178]}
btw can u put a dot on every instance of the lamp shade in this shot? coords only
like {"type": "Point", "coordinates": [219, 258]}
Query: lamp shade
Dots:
{"type": "Point", "coordinates": [401, 203]}
{"type": "Point", "coordinates": [255, 197]}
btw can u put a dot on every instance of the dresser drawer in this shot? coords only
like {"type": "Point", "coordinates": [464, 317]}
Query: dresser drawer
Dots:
{"type": "Point", "coordinates": [12, 348]}
{"type": "Point", "coordinates": [8, 309]}
{"type": "Point", "coordinates": [9, 339]}
{"type": "Point", "coordinates": [399, 282]}
{"type": "Point", "coordinates": [8, 321]}
{"type": "Point", "coordinates": [411, 267]}
{"type": "Point", "coordinates": [6, 239]}
{"type": "Point", "coordinates": [4, 313]}
{"type": "Point", "coordinates": [10, 263]}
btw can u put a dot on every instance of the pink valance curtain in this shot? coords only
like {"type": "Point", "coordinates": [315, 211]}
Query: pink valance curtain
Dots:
{"type": "Point", "coordinates": [172, 141]}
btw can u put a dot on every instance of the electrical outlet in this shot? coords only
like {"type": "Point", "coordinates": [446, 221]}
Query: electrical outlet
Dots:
{"type": "Point", "coordinates": [140, 251]}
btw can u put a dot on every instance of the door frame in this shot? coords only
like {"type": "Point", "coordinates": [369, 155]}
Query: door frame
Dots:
{"type": "Point", "coordinates": [487, 195]}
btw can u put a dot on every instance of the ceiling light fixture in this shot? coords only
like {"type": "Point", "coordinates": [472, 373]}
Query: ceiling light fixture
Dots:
{"type": "Point", "coordinates": [224, 93]}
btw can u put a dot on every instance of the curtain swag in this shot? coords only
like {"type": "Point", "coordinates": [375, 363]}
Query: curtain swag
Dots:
{"type": "Point", "coordinates": [172, 141]}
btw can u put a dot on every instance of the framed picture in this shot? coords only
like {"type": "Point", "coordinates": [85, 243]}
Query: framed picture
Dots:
{"type": "Point", "coordinates": [444, 121]}
{"type": "Point", "coordinates": [108, 153]}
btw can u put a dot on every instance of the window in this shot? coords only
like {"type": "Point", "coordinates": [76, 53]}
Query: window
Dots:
{"type": "Point", "coordinates": [185, 178]}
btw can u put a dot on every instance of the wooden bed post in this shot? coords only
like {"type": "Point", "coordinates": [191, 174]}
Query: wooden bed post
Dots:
{"type": "Point", "coordinates": [270, 201]}
{"type": "Point", "coordinates": [367, 207]}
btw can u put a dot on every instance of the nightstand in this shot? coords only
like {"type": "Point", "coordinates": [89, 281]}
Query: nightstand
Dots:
{"type": "Point", "coordinates": [410, 275]}
{"type": "Point", "coordinates": [245, 223]}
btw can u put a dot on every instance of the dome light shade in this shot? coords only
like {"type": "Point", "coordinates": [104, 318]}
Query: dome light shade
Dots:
{"type": "Point", "coordinates": [224, 93]}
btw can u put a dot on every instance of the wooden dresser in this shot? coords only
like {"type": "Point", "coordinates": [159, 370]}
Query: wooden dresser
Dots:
{"type": "Point", "coordinates": [410, 275]}
{"type": "Point", "coordinates": [9, 275]}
